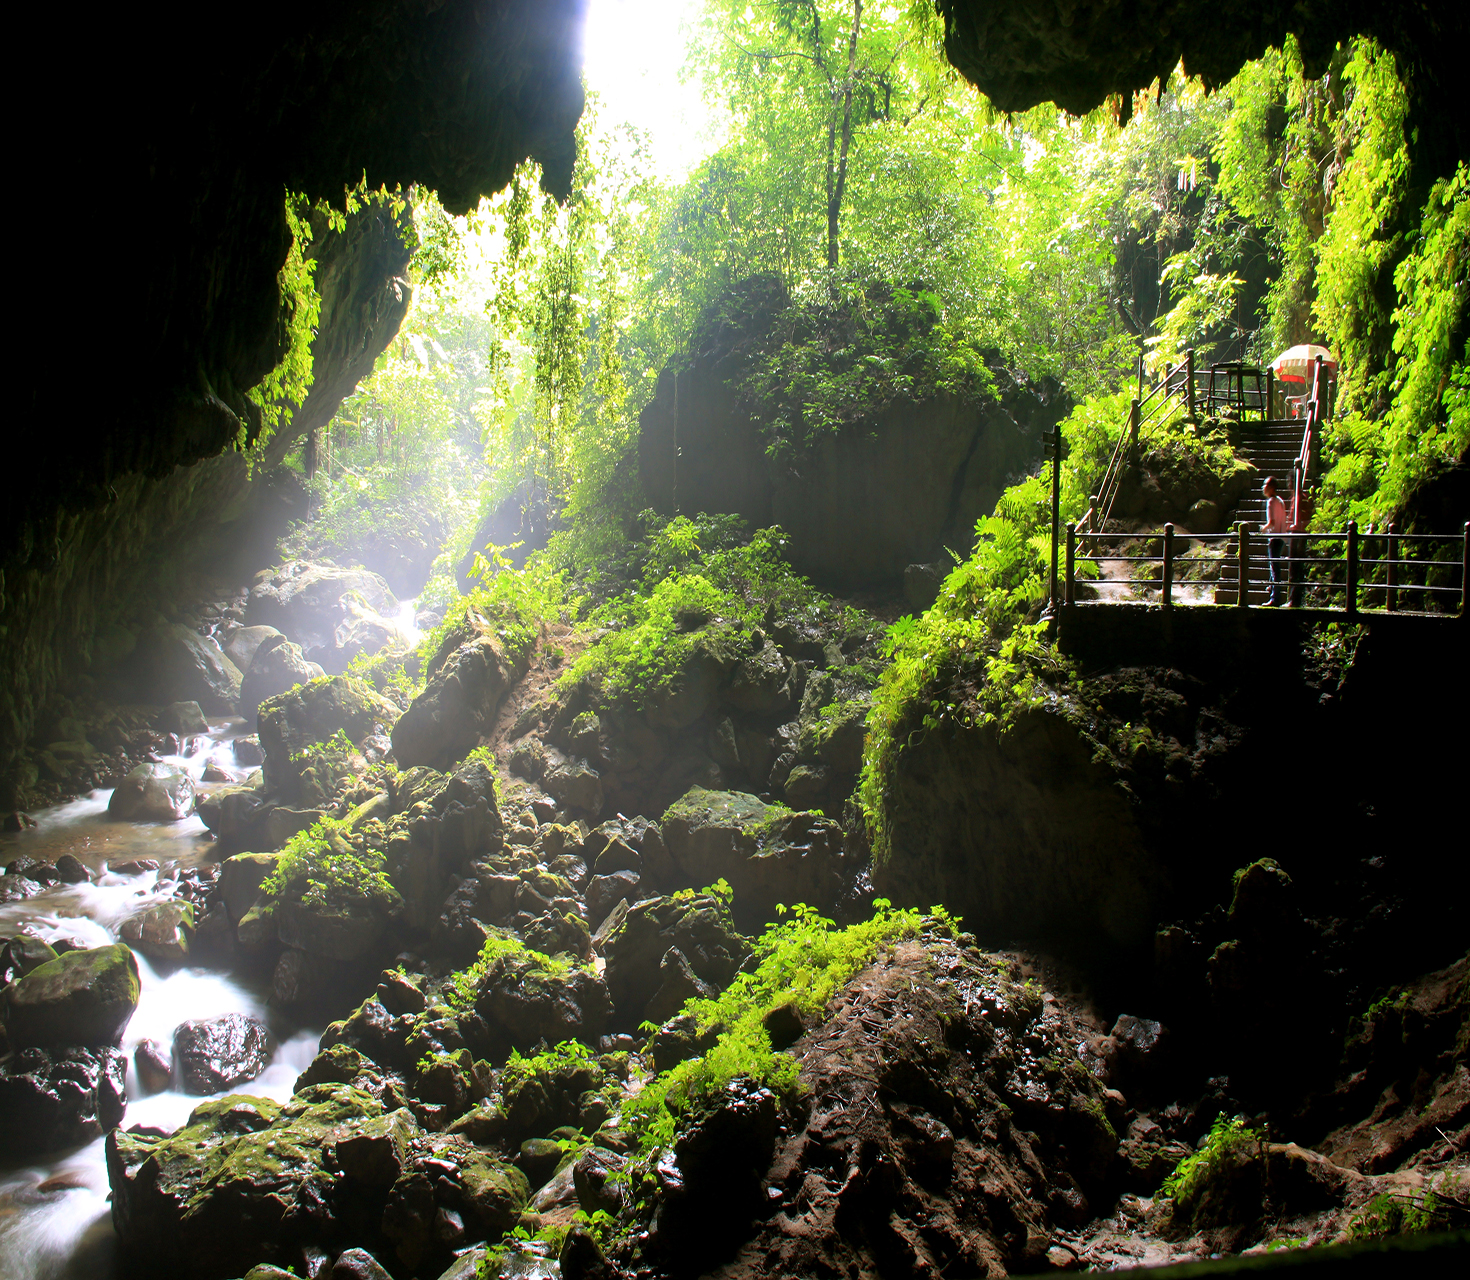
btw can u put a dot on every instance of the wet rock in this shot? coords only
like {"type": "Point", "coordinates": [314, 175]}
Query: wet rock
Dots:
{"type": "Point", "coordinates": [308, 602]}
{"type": "Point", "coordinates": [698, 927]}
{"type": "Point", "coordinates": [528, 760]}
{"type": "Point", "coordinates": [215, 1054]}
{"type": "Point", "coordinates": [372, 1150]}
{"type": "Point", "coordinates": [311, 715]}
{"type": "Point", "coordinates": [21, 954]}
{"type": "Point", "coordinates": [154, 1064]}
{"type": "Point", "coordinates": [179, 1201]}
{"type": "Point", "coordinates": [524, 1001]}
{"type": "Point", "coordinates": [458, 706]}
{"type": "Point", "coordinates": [243, 644]}
{"type": "Point", "coordinates": [278, 667]}
{"type": "Point", "coordinates": [240, 878]}
{"type": "Point", "coordinates": [247, 751]}
{"type": "Point", "coordinates": [677, 986]}
{"type": "Point", "coordinates": [213, 773]}
{"type": "Point", "coordinates": [72, 870]}
{"type": "Point", "coordinates": [18, 888]}
{"type": "Point", "coordinates": [153, 793]}
{"type": "Point", "coordinates": [362, 630]}
{"type": "Point", "coordinates": [539, 1158]}
{"type": "Point", "coordinates": [760, 684]}
{"type": "Point", "coordinates": [596, 1181]}
{"type": "Point", "coordinates": [581, 1257]}
{"type": "Point", "coordinates": [59, 1098]}
{"type": "Point", "coordinates": [162, 932]}
{"type": "Point", "coordinates": [605, 892]}
{"type": "Point", "coordinates": [80, 998]}
{"type": "Point", "coordinates": [183, 718]}
{"type": "Point", "coordinates": [785, 1025]}
{"type": "Point", "coordinates": [454, 820]}
{"type": "Point", "coordinates": [576, 788]}
{"type": "Point", "coordinates": [232, 813]}
{"type": "Point", "coordinates": [358, 1264]}
{"type": "Point", "coordinates": [679, 1039]}
{"type": "Point", "coordinates": [766, 853]}
{"type": "Point", "coordinates": [188, 667]}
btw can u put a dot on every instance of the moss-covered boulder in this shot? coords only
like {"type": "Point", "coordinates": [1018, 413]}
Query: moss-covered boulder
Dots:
{"type": "Point", "coordinates": [458, 706]}
{"type": "Point", "coordinates": [768, 854]}
{"type": "Point", "coordinates": [79, 998]}
{"type": "Point", "coordinates": [524, 998]}
{"type": "Point", "coordinates": [243, 1181]}
{"type": "Point", "coordinates": [312, 714]}
{"type": "Point", "coordinates": [697, 926]}
{"type": "Point", "coordinates": [153, 793]}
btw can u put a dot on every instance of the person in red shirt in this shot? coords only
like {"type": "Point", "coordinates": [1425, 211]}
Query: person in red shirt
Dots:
{"type": "Point", "coordinates": [1275, 543]}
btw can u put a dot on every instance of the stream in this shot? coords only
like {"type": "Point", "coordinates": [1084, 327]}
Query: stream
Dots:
{"type": "Point", "coordinates": [55, 1215]}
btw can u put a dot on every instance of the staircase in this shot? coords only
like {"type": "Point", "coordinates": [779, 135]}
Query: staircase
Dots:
{"type": "Point", "coordinates": [1272, 449]}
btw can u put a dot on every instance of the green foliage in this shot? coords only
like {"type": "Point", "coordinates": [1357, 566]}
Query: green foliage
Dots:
{"type": "Point", "coordinates": [802, 961]}
{"type": "Point", "coordinates": [320, 868]}
{"type": "Point", "coordinates": [512, 604]}
{"type": "Point", "coordinates": [568, 1053]}
{"type": "Point", "coordinates": [695, 576]}
{"type": "Point", "coordinates": [1227, 1135]}
{"type": "Point", "coordinates": [465, 983]}
{"type": "Point", "coordinates": [280, 393]}
{"type": "Point", "coordinates": [1390, 1214]}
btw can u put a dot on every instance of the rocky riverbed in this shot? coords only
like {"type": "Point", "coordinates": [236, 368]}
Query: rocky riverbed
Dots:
{"type": "Point", "coordinates": [385, 987]}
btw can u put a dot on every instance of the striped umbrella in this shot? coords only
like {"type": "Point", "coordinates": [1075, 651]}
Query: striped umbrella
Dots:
{"type": "Point", "coordinates": [1295, 363]}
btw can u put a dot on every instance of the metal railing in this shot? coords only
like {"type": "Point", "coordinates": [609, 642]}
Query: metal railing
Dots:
{"type": "Point", "coordinates": [1315, 570]}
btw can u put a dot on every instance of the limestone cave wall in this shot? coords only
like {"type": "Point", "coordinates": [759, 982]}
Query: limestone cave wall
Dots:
{"type": "Point", "coordinates": [163, 151]}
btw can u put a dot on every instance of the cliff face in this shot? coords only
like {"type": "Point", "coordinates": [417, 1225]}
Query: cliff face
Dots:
{"type": "Point", "coordinates": [894, 486]}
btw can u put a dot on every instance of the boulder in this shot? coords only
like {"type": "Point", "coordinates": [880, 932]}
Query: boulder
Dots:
{"type": "Point", "coordinates": [183, 718]}
{"type": "Point", "coordinates": [523, 1000]}
{"type": "Point", "coordinates": [311, 715]}
{"type": "Point", "coordinates": [244, 1180]}
{"type": "Point", "coordinates": [188, 667]}
{"type": "Point", "coordinates": [451, 821]}
{"type": "Point", "coordinates": [760, 684]}
{"type": "Point", "coordinates": [245, 642]}
{"type": "Point", "coordinates": [698, 926]}
{"type": "Point", "coordinates": [306, 601]}
{"type": "Point", "coordinates": [247, 751]}
{"type": "Point", "coordinates": [59, 1098]}
{"type": "Point", "coordinates": [233, 813]}
{"type": "Point", "coordinates": [72, 870]}
{"type": "Point", "coordinates": [278, 668]}
{"type": "Point", "coordinates": [605, 892]}
{"type": "Point", "coordinates": [215, 1054]}
{"type": "Point", "coordinates": [677, 985]}
{"type": "Point", "coordinates": [358, 1264]}
{"type": "Point", "coordinates": [240, 879]}
{"type": "Point", "coordinates": [161, 932]}
{"type": "Point", "coordinates": [153, 793]}
{"type": "Point", "coordinates": [362, 631]}
{"type": "Point", "coordinates": [458, 706]}
{"type": "Point", "coordinates": [576, 787]}
{"type": "Point", "coordinates": [155, 1066]}
{"type": "Point", "coordinates": [21, 954]}
{"type": "Point", "coordinates": [767, 853]}
{"type": "Point", "coordinates": [18, 888]}
{"type": "Point", "coordinates": [80, 998]}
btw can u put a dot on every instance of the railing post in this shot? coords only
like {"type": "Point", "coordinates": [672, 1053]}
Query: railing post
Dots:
{"type": "Point", "coordinates": [1140, 376]}
{"type": "Point", "coordinates": [1071, 594]}
{"type": "Point", "coordinates": [1243, 563]}
{"type": "Point", "coordinates": [1465, 571]}
{"type": "Point", "coordinates": [1270, 395]}
{"type": "Point", "coordinates": [1391, 601]}
{"type": "Point", "coordinates": [1189, 382]}
{"type": "Point", "coordinates": [1352, 566]}
{"type": "Point", "coordinates": [1168, 591]}
{"type": "Point", "coordinates": [1133, 430]}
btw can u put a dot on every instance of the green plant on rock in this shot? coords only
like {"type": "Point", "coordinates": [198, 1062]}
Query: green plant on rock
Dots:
{"type": "Point", "coordinates": [1389, 1214]}
{"type": "Point", "coordinates": [319, 867]}
{"type": "Point", "coordinates": [1227, 1135]}
{"type": "Point", "coordinates": [803, 961]}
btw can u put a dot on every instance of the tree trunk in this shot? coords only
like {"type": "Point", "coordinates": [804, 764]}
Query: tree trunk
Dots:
{"type": "Point", "coordinates": [835, 189]}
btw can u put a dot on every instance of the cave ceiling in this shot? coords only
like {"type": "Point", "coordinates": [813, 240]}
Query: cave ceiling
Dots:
{"type": "Point", "coordinates": [1080, 53]}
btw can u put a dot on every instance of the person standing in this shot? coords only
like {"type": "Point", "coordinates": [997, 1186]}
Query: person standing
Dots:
{"type": "Point", "coordinates": [1275, 529]}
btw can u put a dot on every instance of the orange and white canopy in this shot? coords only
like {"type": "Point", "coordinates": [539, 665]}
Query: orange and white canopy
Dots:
{"type": "Point", "coordinates": [1295, 363]}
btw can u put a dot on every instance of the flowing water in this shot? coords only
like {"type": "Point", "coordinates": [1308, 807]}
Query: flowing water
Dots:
{"type": "Point", "coordinates": [55, 1217]}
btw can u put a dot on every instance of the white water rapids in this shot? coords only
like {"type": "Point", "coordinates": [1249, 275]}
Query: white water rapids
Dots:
{"type": "Point", "coordinates": [55, 1218]}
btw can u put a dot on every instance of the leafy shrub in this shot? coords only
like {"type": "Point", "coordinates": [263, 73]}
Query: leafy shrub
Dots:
{"type": "Point", "coordinates": [319, 868]}
{"type": "Point", "coordinates": [1190, 1175]}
